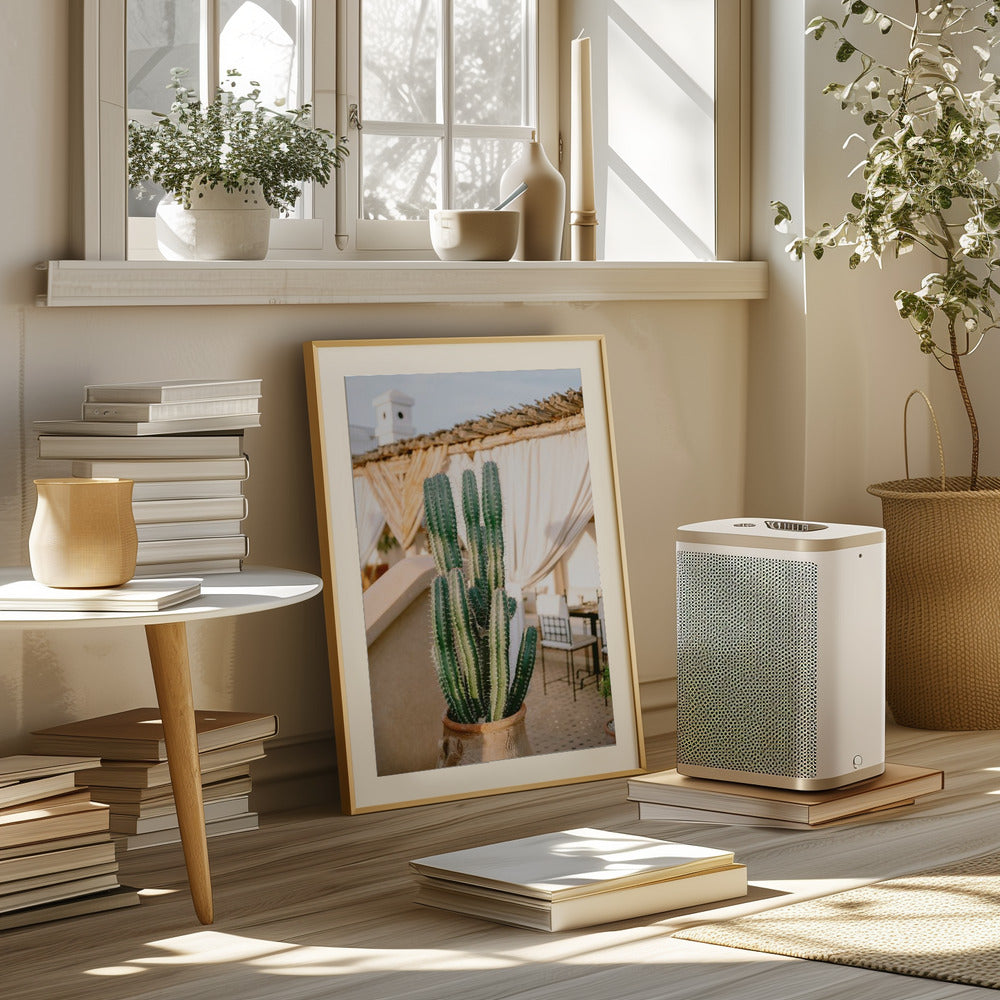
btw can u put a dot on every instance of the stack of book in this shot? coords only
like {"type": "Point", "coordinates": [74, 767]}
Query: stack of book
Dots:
{"type": "Point", "coordinates": [132, 776]}
{"type": "Point", "coordinates": [667, 795]}
{"type": "Point", "coordinates": [181, 441]}
{"type": "Point", "coordinates": [577, 878]}
{"type": "Point", "coordinates": [57, 858]}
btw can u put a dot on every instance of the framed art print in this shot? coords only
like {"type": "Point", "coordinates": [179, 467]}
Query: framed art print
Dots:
{"type": "Point", "coordinates": [477, 606]}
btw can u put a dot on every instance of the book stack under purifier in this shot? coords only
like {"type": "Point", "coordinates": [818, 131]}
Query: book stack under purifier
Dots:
{"type": "Point", "coordinates": [181, 442]}
{"type": "Point", "coordinates": [577, 878]}
{"type": "Point", "coordinates": [667, 795]}
{"type": "Point", "coordinates": [57, 858]}
{"type": "Point", "coordinates": [132, 776]}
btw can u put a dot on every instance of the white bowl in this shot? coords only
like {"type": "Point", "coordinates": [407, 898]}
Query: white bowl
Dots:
{"type": "Point", "coordinates": [474, 234]}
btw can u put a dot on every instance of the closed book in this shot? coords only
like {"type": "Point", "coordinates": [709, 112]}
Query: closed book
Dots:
{"type": "Point", "coordinates": [61, 890]}
{"type": "Point", "coordinates": [90, 447]}
{"type": "Point", "coordinates": [571, 863]}
{"type": "Point", "coordinates": [112, 899]}
{"type": "Point", "coordinates": [25, 766]}
{"type": "Point", "coordinates": [54, 805]}
{"type": "Point", "coordinates": [57, 843]}
{"type": "Point", "coordinates": [195, 567]}
{"type": "Point", "coordinates": [137, 734]}
{"type": "Point", "coordinates": [682, 814]}
{"type": "Point", "coordinates": [14, 887]}
{"type": "Point", "coordinates": [156, 838]}
{"type": "Point", "coordinates": [172, 550]}
{"type": "Point", "coordinates": [214, 810]}
{"type": "Point", "coordinates": [216, 765]}
{"type": "Point", "coordinates": [210, 508]}
{"type": "Point", "coordinates": [186, 529]}
{"type": "Point", "coordinates": [38, 788]}
{"type": "Point", "coordinates": [135, 595]}
{"type": "Point", "coordinates": [142, 428]}
{"type": "Point", "coordinates": [89, 818]}
{"type": "Point", "coordinates": [156, 469]}
{"type": "Point", "coordinates": [184, 489]}
{"type": "Point", "coordinates": [899, 781]}
{"type": "Point", "coordinates": [171, 390]}
{"type": "Point", "coordinates": [171, 411]}
{"type": "Point", "coordinates": [66, 859]}
{"type": "Point", "coordinates": [160, 800]}
{"type": "Point", "coordinates": [601, 906]}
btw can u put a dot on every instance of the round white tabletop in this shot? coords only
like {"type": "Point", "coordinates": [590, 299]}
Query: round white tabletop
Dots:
{"type": "Point", "coordinates": [256, 588]}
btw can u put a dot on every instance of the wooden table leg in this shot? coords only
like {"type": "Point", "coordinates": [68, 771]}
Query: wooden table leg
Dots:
{"type": "Point", "coordinates": [168, 654]}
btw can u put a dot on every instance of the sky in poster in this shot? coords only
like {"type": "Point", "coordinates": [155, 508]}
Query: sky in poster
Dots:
{"type": "Point", "coordinates": [448, 398]}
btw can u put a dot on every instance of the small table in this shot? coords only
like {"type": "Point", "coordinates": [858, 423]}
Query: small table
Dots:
{"type": "Point", "coordinates": [257, 588]}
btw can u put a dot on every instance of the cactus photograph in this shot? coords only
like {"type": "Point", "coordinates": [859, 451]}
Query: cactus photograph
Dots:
{"type": "Point", "coordinates": [482, 480]}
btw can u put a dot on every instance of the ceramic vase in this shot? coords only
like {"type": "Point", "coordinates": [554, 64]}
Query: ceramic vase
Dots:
{"type": "Point", "coordinates": [83, 533]}
{"type": "Point", "coordinates": [219, 225]}
{"type": "Point", "coordinates": [542, 206]}
{"type": "Point", "coordinates": [481, 742]}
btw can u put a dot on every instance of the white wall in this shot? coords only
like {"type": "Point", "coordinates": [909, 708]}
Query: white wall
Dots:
{"type": "Point", "coordinates": [677, 375]}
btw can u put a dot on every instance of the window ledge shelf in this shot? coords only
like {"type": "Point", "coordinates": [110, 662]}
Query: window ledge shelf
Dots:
{"type": "Point", "coordinates": [283, 282]}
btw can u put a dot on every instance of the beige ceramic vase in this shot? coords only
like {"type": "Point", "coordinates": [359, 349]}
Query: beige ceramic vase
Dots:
{"type": "Point", "coordinates": [542, 206]}
{"type": "Point", "coordinates": [83, 534]}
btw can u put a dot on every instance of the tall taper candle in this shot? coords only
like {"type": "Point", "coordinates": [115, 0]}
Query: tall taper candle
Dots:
{"type": "Point", "coordinates": [583, 216]}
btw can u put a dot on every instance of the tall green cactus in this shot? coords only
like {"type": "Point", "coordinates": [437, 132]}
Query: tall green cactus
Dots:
{"type": "Point", "coordinates": [471, 621]}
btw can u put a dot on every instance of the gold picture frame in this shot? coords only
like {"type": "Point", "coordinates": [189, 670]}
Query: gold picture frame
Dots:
{"type": "Point", "coordinates": [526, 420]}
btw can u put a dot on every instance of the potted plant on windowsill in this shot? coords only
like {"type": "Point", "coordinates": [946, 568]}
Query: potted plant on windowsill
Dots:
{"type": "Point", "coordinates": [227, 167]}
{"type": "Point", "coordinates": [929, 184]}
{"type": "Point", "coordinates": [471, 614]}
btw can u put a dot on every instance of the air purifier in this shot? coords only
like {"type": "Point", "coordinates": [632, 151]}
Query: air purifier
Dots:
{"type": "Point", "coordinates": [781, 652]}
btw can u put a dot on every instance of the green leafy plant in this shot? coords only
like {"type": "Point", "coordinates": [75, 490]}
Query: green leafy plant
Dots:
{"type": "Point", "coordinates": [471, 621]}
{"type": "Point", "coordinates": [929, 175]}
{"type": "Point", "coordinates": [234, 142]}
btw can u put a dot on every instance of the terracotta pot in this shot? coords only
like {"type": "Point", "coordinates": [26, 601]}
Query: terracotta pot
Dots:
{"type": "Point", "coordinates": [481, 742]}
{"type": "Point", "coordinates": [83, 533]}
{"type": "Point", "coordinates": [219, 225]}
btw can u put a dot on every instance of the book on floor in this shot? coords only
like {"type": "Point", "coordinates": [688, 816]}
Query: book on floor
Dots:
{"type": "Point", "coordinates": [216, 765]}
{"type": "Point", "coordinates": [149, 800]}
{"type": "Point", "coordinates": [141, 428]}
{"type": "Point", "coordinates": [137, 734]}
{"type": "Point", "coordinates": [68, 447]}
{"type": "Point", "coordinates": [216, 809]}
{"type": "Point", "coordinates": [66, 859]}
{"type": "Point", "coordinates": [171, 390]}
{"type": "Point", "coordinates": [27, 766]}
{"type": "Point", "coordinates": [898, 782]}
{"type": "Point", "coordinates": [575, 878]}
{"type": "Point", "coordinates": [135, 595]}
{"type": "Point", "coordinates": [141, 470]}
{"type": "Point", "coordinates": [151, 412]}
{"type": "Point", "coordinates": [13, 890]}
{"type": "Point", "coordinates": [157, 838]}
{"type": "Point", "coordinates": [59, 843]}
{"type": "Point", "coordinates": [95, 902]}
{"type": "Point", "coordinates": [37, 826]}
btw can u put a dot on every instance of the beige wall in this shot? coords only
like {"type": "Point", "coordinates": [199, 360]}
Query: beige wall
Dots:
{"type": "Point", "coordinates": [677, 377]}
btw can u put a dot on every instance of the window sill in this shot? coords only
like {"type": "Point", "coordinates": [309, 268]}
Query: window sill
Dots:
{"type": "Point", "coordinates": [281, 282]}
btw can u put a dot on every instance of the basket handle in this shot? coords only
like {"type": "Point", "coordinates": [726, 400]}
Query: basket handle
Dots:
{"type": "Point", "coordinates": [937, 432]}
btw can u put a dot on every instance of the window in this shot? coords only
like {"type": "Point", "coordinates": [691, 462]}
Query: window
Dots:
{"type": "Point", "coordinates": [443, 92]}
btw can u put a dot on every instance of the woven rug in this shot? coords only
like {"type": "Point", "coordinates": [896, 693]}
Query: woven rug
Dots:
{"type": "Point", "coordinates": [939, 924]}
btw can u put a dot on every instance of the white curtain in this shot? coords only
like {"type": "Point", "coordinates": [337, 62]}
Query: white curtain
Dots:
{"type": "Point", "coordinates": [369, 517]}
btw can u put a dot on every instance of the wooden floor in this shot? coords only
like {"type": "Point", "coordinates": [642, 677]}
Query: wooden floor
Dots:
{"type": "Point", "coordinates": [318, 905]}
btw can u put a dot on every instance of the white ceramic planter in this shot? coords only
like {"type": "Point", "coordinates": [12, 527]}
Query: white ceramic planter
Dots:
{"type": "Point", "coordinates": [219, 225]}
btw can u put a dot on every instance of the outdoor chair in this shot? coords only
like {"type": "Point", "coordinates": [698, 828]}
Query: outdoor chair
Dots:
{"type": "Point", "coordinates": [554, 622]}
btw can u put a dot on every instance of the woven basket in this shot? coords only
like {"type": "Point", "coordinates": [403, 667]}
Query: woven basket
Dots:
{"type": "Point", "coordinates": [943, 599]}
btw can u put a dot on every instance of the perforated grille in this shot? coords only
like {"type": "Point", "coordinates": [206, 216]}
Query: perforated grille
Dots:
{"type": "Point", "coordinates": [746, 663]}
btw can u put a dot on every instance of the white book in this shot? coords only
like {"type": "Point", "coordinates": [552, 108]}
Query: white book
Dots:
{"type": "Point", "coordinates": [153, 470]}
{"type": "Point", "coordinates": [142, 428]}
{"type": "Point", "coordinates": [208, 508]}
{"type": "Point", "coordinates": [136, 595]}
{"type": "Point", "coordinates": [683, 814]}
{"type": "Point", "coordinates": [599, 907]}
{"type": "Point", "coordinates": [88, 446]}
{"type": "Point", "coordinates": [171, 411]}
{"type": "Point", "coordinates": [571, 863]}
{"type": "Point", "coordinates": [171, 390]}
{"type": "Point", "coordinates": [186, 489]}
{"type": "Point", "coordinates": [186, 529]}
{"type": "Point", "coordinates": [196, 567]}
{"type": "Point", "coordinates": [185, 549]}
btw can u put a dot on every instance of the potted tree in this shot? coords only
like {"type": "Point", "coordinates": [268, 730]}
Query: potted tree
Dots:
{"type": "Point", "coordinates": [471, 615]}
{"type": "Point", "coordinates": [226, 166]}
{"type": "Point", "coordinates": [928, 184]}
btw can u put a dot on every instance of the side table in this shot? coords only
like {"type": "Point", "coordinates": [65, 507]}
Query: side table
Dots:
{"type": "Point", "coordinates": [257, 588]}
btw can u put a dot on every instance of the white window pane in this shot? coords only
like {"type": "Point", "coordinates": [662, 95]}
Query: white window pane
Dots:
{"type": "Point", "coordinates": [479, 164]}
{"type": "Point", "coordinates": [399, 47]}
{"type": "Point", "coordinates": [489, 62]}
{"type": "Point", "coordinates": [258, 40]}
{"type": "Point", "coordinates": [401, 176]}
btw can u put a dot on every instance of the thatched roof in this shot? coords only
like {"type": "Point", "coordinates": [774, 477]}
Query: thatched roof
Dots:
{"type": "Point", "coordinates": [558, 406]}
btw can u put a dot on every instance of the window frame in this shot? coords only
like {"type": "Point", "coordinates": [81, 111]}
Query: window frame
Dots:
{"type": "Point", "coordinates": [100, 224]}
